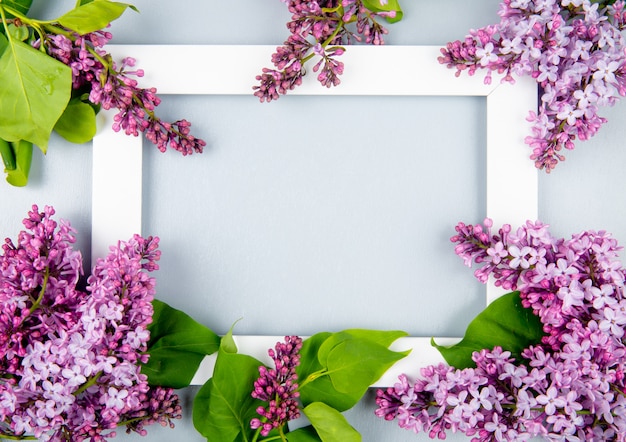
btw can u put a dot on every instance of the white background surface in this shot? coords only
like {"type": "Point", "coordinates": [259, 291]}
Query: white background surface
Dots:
{"type": "Point", "coordinates": [412, 183]}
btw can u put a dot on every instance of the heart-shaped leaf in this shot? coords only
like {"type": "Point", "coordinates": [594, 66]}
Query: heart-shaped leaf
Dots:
{"type": "Point", "coordinates": [177, 346]}
{"type": "Point", "coordinates": [330, 424]}
{"type": "Point", "coordinates": [504, 323]}
{"type": "Point", "coordinates": [224, 406]}
{"type": "Point", "coordinates": [77, 124]}
{"type": "Point", "coordinates": [93, 16]}
{"type": "Point", "coordinates": [34, 91]}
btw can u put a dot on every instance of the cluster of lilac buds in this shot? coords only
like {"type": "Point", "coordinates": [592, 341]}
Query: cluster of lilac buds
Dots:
{"type": "Point", "coordinates": [570, 386]}
{"type": "Point", "coordinates": [70, 360]}
{"type": "Point", "coordinates": [114, 88]}
{"type": "Point", "coordinates": [319, 28]}
{"type": "Point", "coordinates": [278, 387]}
{"type": "Point", "coordinates": [572, 48]}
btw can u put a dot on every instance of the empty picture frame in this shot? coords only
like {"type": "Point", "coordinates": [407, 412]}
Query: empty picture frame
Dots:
{"type": "Point", "coordinates": [512, 194]}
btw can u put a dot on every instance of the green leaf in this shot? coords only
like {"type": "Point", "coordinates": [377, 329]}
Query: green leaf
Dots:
{"type": "Point", "coordinates": [20, 33]}
{"type": "Point", "coordinates": [330, 424]}
{"type": "Point", "coordinates": [177, 346]}
{"type": "Point", "coordinates": [355, 364]}
{"type": "Point", "coordinates": [34, 91]}
{"type": "Point", "coordinates": [303, 434]}
{"type": "Point", "coordinates": [321, 388]}
{"type": "Point", "coordinates": [21, 6]}
{"type": "Point", "coordinates": [337, 379]}
{"type": "Point", "coordinates": [23, 150]}
{"type": "Point", "coordinates": [388, 6]}
{"type": "Point", "coordinates": [224, 407]}
{"type": "Point", "coordinates": [77, 123]}
{"type": "Point", "coordinates": [3, 44]}
{"type": "Point", "coordinates": [92, 16]}
{"type": "Point", "coordinates": [8, 155]}
{"type": "Point", "coordinates": [384, 338]}
{"type": "Point", "coordinates": [505, 323]}
{"type": "Point", "coordinates": [228, 343]}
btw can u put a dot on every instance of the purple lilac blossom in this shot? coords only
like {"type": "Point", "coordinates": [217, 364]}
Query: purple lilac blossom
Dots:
{"type": "Point", "coordinates": [278, 387]}
{"type": "Point", "coordinates": [70, 360]}
{"type": "Point", "coordinates": [318, 28]}
{"type": "Point", "coordinates": [95, 73]}
{"type": "Point", "coordinates": [573, 49]}
{"type": "Point", "coordinates": [568, 387]}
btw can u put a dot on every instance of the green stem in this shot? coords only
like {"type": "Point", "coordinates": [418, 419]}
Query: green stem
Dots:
{"type": "Point", "coordinates": [256, 434]}
{"type": "Point", "coordinates": [91, 381]}
{"type": "Point", "coordinates": [281, 434]}
{"type": "Point", "coordinates": [313, 376]}
{"type": "Point", "coordinates": [13, 437]}
{"type": "Point", "coordinates": [35, 305]}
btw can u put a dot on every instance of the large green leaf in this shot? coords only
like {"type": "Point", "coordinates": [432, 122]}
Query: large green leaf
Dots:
{"type": "Point", "coordinates": [224, 407]}
{"type": "Point", "coordinates": [21, 6]}
{"type": "Point", "coordinates": [177, 346]}
{"type": "Point", "coordinates": [387, 6]}
{"type": "Point", "coordinates": [330, 424]}
{"type": "Point", "coordinates": [355, 364]}
{"type": "Point", "coordinates": [77, 123]}
{"type": "Point", "coordinates": [23, 151]}
{"type": "Point", "coordinates": [93, 16]}
{"type": "Point", "coordinates": [382, 337]}
{"type": "Point", "coordinates": [303, 434]}
{"type": "Point", "coordinates": [321, 388]}
{"type": "Point", "coordinates": [344, 365]}
{"type": "Point", "coordinates": [34, 91]}
{"type": "Point", "coordinates": [3, 43]}
{"type": "Point", "coordinates": [505, 323]}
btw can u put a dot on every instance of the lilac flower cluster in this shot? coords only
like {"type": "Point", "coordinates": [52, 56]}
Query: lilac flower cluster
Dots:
{"type": "Point", "coordinates": [572, 48]}
{"type": "Point", "coordinates": [70, 360]}
{"type": "Point", "coordinates": [568, 387]}
{"type": "Point", "coordinates": [278, 387]}
{"type": "Point", "coordinates": [319, 28]}
{"type": "Point", "coordinates": [112, 87]}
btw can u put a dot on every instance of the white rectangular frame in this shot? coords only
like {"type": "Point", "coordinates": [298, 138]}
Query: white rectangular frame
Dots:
{"type": "Point", "coordinates": [512, 184]}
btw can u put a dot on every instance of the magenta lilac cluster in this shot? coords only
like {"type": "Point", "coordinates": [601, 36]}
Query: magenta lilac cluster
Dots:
{"type": "Point", "coordinates": [70, 359]}
{"type": "Point", "coordinates": [278, 387]}
{"type": "Point", "coordinates": [114, 88]}
{"type": "Point", "coordinates": [574, 50]}
{"type": "Point", "coordinates": [568, 387]}
{"type": "Point", "coordinates": [318, 29]}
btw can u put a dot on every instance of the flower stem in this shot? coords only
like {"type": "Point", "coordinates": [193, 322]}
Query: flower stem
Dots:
{"type": "Point", "coordinates": [91, 381]}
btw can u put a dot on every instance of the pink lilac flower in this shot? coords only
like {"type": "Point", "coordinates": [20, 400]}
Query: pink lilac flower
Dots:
{"type": "Point", "coordinates": [278, 387]}
{"type": "Point", "coordinates": [575, 52]}
{"type": "Point", "coordinates": [113, 87]}
{"type": "Point", "coordinates": [319, 28]}
{"type": "Point", "coordinates": [70, 360]}
{"type": "Point", "coordinates": [570, 386]}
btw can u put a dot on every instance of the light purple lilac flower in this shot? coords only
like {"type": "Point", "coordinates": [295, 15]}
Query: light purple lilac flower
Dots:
{"type": "Point", "coordinates": [318, 29]}
{"type": "Point", "coordinates": [96, 74]}
{"type": "Point", "coordinates": [69, 359]}
{"type": "Point", "coordinates": [278, 387]}
{"type": "Point", "coordinates": [568, 387]}
{"type": "Point", "coordinates": [573, 49]}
